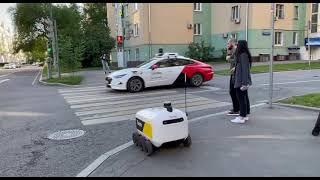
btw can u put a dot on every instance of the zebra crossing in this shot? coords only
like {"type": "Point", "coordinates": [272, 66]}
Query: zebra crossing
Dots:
{"type": "Point", "coordinates": [98, 105]}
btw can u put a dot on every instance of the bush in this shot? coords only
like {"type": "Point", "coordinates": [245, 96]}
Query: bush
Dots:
{"type": "Point", "coordinates": [224, 53]}
{"type": "Point", "coordinates": [200, 51]}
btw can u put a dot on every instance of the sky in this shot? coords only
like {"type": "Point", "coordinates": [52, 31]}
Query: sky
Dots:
{"type": "Point", "coordinates": [5, 16]}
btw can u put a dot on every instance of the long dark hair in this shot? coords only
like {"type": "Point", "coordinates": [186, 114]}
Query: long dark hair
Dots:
{"type": "Point", "coordinates": [242, 47]}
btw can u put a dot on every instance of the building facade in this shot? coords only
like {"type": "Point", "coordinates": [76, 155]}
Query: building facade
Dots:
{"type": "Point", "coordinates": [172, 26]}
{"type": "Point", "coordinates": [313, 33]}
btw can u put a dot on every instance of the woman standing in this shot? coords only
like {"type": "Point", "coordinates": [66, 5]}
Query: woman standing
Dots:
{"type": "Point", "coordinates": [242, 80]}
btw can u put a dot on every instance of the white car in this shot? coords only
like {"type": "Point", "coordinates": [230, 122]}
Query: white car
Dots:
{"type": "Point", "coordinates": [9, 66]}
{"type": "Point", "coordinates": [161, 70]}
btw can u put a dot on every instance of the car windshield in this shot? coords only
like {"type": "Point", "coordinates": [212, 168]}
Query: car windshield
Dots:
{"type": "Point", "coordinates": [147, 64]}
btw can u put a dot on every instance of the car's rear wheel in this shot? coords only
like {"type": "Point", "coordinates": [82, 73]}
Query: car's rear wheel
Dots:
{"type": "Point", "coordinates": [196, 80]}
{"type": "Point", "coordinates": [135, 84]}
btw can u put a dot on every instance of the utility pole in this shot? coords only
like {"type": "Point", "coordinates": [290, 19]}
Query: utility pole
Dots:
{"type": "Point", "coordinates": [271, 56]}
{"type": "Point", "coordinates": [56, 47]}
{"type": "Point", "coordinates": [118, 7]}
{"type": "Point", "coordinates": [309, 49]}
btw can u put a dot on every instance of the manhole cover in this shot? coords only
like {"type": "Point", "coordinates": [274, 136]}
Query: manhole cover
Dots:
{"type": "Point", "coordinates": [67, 134]}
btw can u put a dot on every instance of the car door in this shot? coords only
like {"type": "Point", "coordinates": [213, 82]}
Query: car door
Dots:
{"type": "Point", "coordinates": [158, 76]}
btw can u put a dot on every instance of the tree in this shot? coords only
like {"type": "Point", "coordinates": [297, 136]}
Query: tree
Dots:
{"type": "Point", "coordinates": [97, 39]}
{"type": "Point", "coordinates": [29, 19]}
{"type": "Point", "coordinates": [200, 51]}
{"type": "Point", "coordinates": [70, 36]}
{"type": "Point", "coordinates": [68, 55]}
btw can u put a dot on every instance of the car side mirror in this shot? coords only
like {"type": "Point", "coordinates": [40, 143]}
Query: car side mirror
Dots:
{"type": "Point", "coordinates": [153, 67]}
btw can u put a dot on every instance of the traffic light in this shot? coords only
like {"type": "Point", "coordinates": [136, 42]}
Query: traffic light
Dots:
{"type": "Point", "coordinates": [49, 50]}
{"type": "Point", "coordinates": [119, 40]}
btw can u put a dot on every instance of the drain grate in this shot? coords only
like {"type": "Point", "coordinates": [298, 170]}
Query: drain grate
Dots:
{"type": "Point", "coordinates": [66, 134]}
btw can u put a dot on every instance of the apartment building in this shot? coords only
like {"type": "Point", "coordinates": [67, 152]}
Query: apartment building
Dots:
{"type": "Point", "coordinates": [172, 26]}
{"type": "Point", "coordinates": [147, 27]}
{"type": "Point", "coordinates": [313, 33]}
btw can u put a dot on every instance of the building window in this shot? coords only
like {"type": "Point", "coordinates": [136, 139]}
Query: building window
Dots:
{"type": "Point", "coordinates": [314, 7]}
{"type": "Point", "coordinates": [136, 30]}
{"type": "Point", "coordinates": [296, 12]}
{"type": "Point", "coordinates": [280, 11]}
{"type": "Point", "coordinates": [197, 30]}
{"type": "Point", "coordinates": [137, 54]}
{"type": "Point", "coordinates": [314, 18]}
{"type": "Point", "coordinates": [234, 36]}
{"type": "Point", "coordinates": [135, 6]}
{"type": "Point", "coordinates": [278, 39]}
{"type": "Point", "coordinates": [235, 13]}
{"type": "Point", "coordinates": [197, 6]}
{"type": "Point", "coordinates": [295, 38]}
{"type": "Point", "coordinates": [125, 10]}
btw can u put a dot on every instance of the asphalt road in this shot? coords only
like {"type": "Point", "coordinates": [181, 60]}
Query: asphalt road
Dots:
{"type": "Point", "coordinates": [30, 112]}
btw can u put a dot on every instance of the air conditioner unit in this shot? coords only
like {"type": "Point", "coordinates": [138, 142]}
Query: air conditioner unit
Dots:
{"type": "Point", "coordinates": [225, 35]}
{"type": "Point", "coordinates": [189, 26]}
{"type": "Point", "coordinates": [237, 21]}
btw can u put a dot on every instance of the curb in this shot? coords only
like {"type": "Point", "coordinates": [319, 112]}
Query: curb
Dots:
{"type": "Point", "coordinates": [299, 107]}
{"type": "Point", "coordinates": [54, 84]}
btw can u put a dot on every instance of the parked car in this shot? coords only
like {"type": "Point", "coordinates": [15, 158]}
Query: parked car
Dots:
{"type": "Point", "coordinates": [166, 69]}
{"type": "Point", "coordinates": [7, 66]}
{"type": "Point", "coordinates": [10, 66]}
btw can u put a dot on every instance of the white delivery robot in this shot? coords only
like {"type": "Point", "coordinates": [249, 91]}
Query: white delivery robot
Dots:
{"type": "Point", "coordinates": [156, 126]}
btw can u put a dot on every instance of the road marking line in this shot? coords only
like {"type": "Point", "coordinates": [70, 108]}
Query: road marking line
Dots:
{"type": "Point", "coordinates": [131, 116]}
{"type": "Point", "coordinates": [36, 78]}
{"type": "Point", "coordinates": [124, 107]}
{"type": "Point", "coordinates": [161, 98]}
{"type": "Point", "coordinates": [2, 81]}
{"type": "Point", "coordinates": [6, 75]}
{"type": "Point", "coordinates": [288, 82]}
{"type": "Point", "coordinates": [79, 101]}
{"type": "Point", "coordinates": [121, 109]}
{"type": "Point", "coordinates": [95, 164]}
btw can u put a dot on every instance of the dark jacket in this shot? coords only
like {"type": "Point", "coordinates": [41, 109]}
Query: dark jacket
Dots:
{"type": "Point", "coordinates": [242, 71]}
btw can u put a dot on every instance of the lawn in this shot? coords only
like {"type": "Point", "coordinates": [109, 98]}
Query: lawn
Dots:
{"type": "Point", "coordinates": [311, 100]}
{"type": "Point", "coordinates": [277, 68]}
{"type": "Point", "coordinates": [70, 80]}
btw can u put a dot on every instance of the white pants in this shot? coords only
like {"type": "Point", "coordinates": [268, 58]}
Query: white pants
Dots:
{"type": "Point", "coordinates": [105, 66]}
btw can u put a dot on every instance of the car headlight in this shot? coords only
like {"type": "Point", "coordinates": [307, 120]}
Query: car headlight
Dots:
{"type": "Point", "coordinates": [119, 76]}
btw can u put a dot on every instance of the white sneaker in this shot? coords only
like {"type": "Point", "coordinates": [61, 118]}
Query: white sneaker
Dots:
{"type": "Point", "coordinates": [246, 118]}
{"type": "Point", "coordinates": [239, 120]}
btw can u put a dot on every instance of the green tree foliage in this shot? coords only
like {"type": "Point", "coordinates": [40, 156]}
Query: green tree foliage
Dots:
{"type": "Point", "coordinates": [97, 39]}
{"type": "Point", "coordinates": [29, 21]}
{"type": "Point", "coordinates": [70, 36]}
{"type": "Point", "coordinates": [200, 51]}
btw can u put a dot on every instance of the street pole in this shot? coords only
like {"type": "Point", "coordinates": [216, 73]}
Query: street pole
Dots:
{"type": "Point", "coordinates": [309, 49]}
{"type": "Point", "coordinates": [53, 38]}
{"type": "Point", "coordinates": [56, 47]}
{"type": "Point", "coordinates": [271, 56]}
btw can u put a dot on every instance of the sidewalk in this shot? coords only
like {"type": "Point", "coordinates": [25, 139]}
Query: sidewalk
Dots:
{"type": "Point", "coordinates": [274, 142]}
{"type": "Point", "coordinates": [223, 66]}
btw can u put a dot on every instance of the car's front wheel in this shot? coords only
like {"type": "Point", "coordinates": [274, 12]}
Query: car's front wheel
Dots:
{"type": "Point", "coordinates": [135, 84]}
{"type": "Point", "coordinates": [196, 80]}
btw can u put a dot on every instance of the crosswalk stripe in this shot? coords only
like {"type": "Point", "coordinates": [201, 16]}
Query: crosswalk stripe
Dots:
{"type": "Point", "coordinates": [66, 90]}
{"type": "Point", "coordinates": [142, 104]}
{"type": "Point", "coordinates": [86, 100]}
{"type": "Point", "coordinates": [135, 101]}
{"type": "Point", "coordinates": [134, 108]}
{"type": "Point", "coordinates": [97, 104]}
{"type": "Point", "coordinates": [131, 116]}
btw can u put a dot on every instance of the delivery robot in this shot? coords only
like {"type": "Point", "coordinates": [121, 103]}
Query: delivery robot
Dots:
{"type": "Point", "coordinates": [159, 125]}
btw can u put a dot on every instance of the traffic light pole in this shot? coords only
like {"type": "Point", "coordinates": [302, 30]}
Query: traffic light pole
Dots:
{"type": "Point", "coordinates": [56, 47]}
{"type": "Point", "coordinates": [271, 57]}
